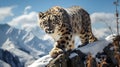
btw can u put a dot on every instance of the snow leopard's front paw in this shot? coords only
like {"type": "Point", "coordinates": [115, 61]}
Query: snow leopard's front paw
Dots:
{"type": "Point", "coordinates": [55, 52]}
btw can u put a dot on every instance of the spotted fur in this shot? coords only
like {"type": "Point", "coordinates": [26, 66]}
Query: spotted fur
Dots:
{"type": "Point", "coordinates": [63, 24]}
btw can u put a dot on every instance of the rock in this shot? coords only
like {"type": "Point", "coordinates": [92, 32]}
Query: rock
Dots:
{"type": "Point", "coordinates": [59, 61]}
{"type": "Point", "coordinates": [70, 59]}
{"type": "Point", "coordinates": [108, 57]}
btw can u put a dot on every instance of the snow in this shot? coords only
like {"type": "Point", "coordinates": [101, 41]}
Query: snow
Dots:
{"type": "Point", "coordinates": [8, 42]}
{"type": "Point", "coordinates": [73, 55]}
{"type": "Point", "coordinates": [48, 37]}
{"type": "Point", "coordinates": [112, 48]}
{"type": "Point", "coordinates": [94, 47]}
{"type": "Point", "coordinates": [42, 62]}
{"type": "Point", "coordinates": [97, 46]}
{"type": "Point", "coordinates": [110, 37]}
{"type": "Point", "coordinates": [4, 64]}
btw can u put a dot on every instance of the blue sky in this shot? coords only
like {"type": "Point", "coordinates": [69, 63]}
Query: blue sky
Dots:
{"type": "Point", "coordinates": [22, 13]}
{"type": "Point", "coordinates": [41, 5]}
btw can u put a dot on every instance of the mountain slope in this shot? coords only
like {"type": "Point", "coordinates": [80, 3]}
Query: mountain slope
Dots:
{"type": "Point", "coordinates": [23, 44]}
{"type": "Point", "coordinates": [7, 59]}
{"type": "Point", "coordinates": [4, 64]}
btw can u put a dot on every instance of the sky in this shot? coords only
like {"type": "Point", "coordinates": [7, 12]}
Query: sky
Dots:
{"type": "Point", "coordinates": [23, 13]}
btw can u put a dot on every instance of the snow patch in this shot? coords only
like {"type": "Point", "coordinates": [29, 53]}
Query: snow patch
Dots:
{"type": "Point", "coordinates": [94, 48]}
{"type": "Point", "coordinates": [110, 37]}
{"type": "Point", "coordinates": [47, 37]}
{"type": "Point", "coordinates": [73, 55]}
{"type": "Point", "coordinates": [9, 30]}
{"type": "Point", "coordinates": [8, 45]}
{"type": "Point", "coordinates": [42, 62]}
{"type": "Point", "coordinates": [4, 64]}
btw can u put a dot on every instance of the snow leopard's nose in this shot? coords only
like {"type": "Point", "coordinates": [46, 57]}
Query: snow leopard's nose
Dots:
{"type": "Point", "coordinates": [49, 30]}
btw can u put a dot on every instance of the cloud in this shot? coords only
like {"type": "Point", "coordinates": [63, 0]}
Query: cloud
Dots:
{"type": "Point", "coordinates": [24, 21]}
{"type": "Point", "coordinates": [102, 32]}
{"type": "Point", "coordinates": [26, 9]}
{"type": "Point", "coordinates": [5, 12]}
{"type": "Point", "coordinates": [108, 18]}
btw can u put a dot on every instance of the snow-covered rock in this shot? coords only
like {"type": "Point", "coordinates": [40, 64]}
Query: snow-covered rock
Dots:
{"type": "Point", "coordinates": [92, 48]}
{"type": "Point", "coordinates": [41, 62]}
{"type": "Point", "coordinates": [110, 37]}
{"type": "Point", "coordinates": [73, 55]}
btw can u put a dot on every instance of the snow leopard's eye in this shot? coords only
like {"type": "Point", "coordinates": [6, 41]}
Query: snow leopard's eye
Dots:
{"type": "Point", "coordinates": [44, 23]}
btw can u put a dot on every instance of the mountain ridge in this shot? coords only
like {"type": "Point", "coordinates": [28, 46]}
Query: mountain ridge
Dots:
{"type": "Point", "coordinates": [23, 44]}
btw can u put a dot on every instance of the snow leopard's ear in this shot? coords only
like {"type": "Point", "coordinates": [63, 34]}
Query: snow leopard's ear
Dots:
{"type": "Point", "coordinates": [41, 14]}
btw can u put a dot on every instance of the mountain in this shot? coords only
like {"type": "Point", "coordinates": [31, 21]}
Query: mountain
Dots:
{"type": "Point", "coordinates": [26, 46]}
{"type": "Point", "coordinates": [4, 64]}
{"type": "Point", "coordinates": [36, 30]}
{"type": "Point", "coordinates": [9, 60]}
